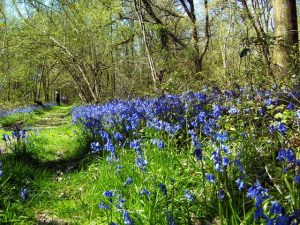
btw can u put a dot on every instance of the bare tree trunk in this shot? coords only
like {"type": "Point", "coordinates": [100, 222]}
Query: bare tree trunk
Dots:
{"type": "Point", "coordinates": [207, 34]}
{"type": "Point", "coordinates": [137, 6]}
{"type": "Point", "coordinates": [224, 45]}
{"type": "Point", "coordinates": [286, 31]}
{"type": "Point", "coordinates": [190, 11]}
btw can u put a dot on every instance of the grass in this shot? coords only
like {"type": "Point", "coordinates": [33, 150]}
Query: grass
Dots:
{"type": "Point", "coordinates": [59, 195]}
{"type": "Point", "coordinates": [66, 183]}
{"type": "Point", "coordinates": [51, 149]}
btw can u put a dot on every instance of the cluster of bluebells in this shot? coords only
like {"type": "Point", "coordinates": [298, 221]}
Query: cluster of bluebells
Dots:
{"type": "Point", "coordinates": [17, 134]}
{"type": "Point", "coordinates": [277, 214]}
{"type": "Point", "coordinates": [6, 138]}
{"type": "Point", "coordinates": [289, 156]}
{"type": "Point", "coordinates": [117, 201]}
{"type": "Point", "coordinates": [279, 126]}
{"type": "Point", "coordinates": [119, 122]}
{"type": "Point", "coordinates": [24, 110]}
{"type": "Point", "coordinates": [122, 124]}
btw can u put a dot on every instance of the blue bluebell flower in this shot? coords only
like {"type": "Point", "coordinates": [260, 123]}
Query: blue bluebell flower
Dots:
{"type": "Point", "coordinates": [127, 219]}
{"type": "Point", "coordinates": [158, 142]}
{"type": "Point", "coordinates": [218, 167]}
{"type": "Point", "coordinates": [225, 148]}
{"type": "Point", "coordinates": [119, 168]}
{"type": "Point", "coordinates": [233, 110]}
{"type": "Point", "coordinates": [135, 144]}
{"type": "Point", "coordinates": [6, 138]}
{"type": "Point", "coordinates": [272, 128]}
{"type": "Point", "coordinates": [276, 208]}
{"type": "Point", "coordinates": [284, 220]}
{"type": "Point", "coordinates": [288, 155]}
{"type": "Point", "coordinates": [171, 220]}
{"type": "Point", "coordinates": [102, 205]}
{"type": "Point", "coordinates": [198, 153]}
{"type": "Point", "coordinates": [1, 169]}
{"type": "Point", "coordinates": [95, 147]}
{"type": "Point", "coordinates": [221, 194]}
{"type": "Point", "coordinates": [240, 184]}
{"type": "Point", "coordinates": [259, 213]}
{"type": "Point", "coordinates": [24, 194]}
{"type": "Point", "coordinates": [297, 179]}
{"type": "Point", "coordinates": [127, 182]}
{"type": "Point", "coordinates": [119, 203]}
{"type": "Point", "coordinates": [222, 137]}
{"type": "Point", "coordinates": [225, 162]}
{"type": "Point", "coordinates": [290, 106]}
{"type": "Point", "coordinates": [109, 146]}
{"type": "Point", "coordinates": [118, 136]}
{"type": "Point", "coordinates": [261, 111]}
{"type": "Point", "coordinates": [217, 160]}
{"type": "Point", "coordinates": [141, 163]}
{"type": "Point", "coordinates": [109, 193]}
{"type": "Point", "coordinates": [104, 135]}
{"type": "Point", "coordinates": [256, 191]}
{"type": "Point", "coordinates": [239, 164]}
{"type": "Point", "coordinates": [217, 111]}
{"type": "Point", "coordinates": [211, 178]}
{"type": "Point", "coordinates": [268, 101]}
{"type": "Point", "coordinates": [281, 128]}
{"type": "Point", "coordinates": [188, 195]}
{"type": "Point", "coordinates": [163, 188]}
{"type": "Point", "coordinates": [144, 191]}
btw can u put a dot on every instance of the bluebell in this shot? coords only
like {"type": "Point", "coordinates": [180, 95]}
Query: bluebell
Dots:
{"type": "Point", "coordinates": [211, 178]}
{"type": "Point", "coordinates": [127, 218]}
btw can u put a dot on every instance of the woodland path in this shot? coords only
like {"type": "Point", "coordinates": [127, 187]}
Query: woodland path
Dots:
{"type": "Point", "coordinates": [54, 117]}
{"type": "Point", "coordinates": [53, 130]}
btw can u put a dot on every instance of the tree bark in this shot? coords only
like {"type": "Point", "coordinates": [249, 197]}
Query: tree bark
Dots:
{"type": "Point", "coordinates": [286, 33]}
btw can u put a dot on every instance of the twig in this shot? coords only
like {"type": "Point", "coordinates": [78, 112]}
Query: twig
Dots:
{"type": "Point", "coordinates": [272, 179]}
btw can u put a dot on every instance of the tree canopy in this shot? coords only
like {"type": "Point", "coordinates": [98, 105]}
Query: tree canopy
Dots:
{"type": "Point", "coordinates": [100, 49]}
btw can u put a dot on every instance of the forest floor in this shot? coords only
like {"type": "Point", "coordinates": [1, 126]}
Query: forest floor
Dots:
{"type": "Point", "coordinates": [92, 173]}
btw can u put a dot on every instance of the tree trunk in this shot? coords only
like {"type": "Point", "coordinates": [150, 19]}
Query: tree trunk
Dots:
{"type": "Point", "coordinates": [137, 6]}
{"type": "Point", "coordinates": [198, 55]}
{"type": "Point", "coordinates": [286, 32]}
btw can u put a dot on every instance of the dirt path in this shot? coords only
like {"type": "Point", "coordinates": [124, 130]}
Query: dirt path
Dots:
{"type": "Point", "coordinates": [55, 117]}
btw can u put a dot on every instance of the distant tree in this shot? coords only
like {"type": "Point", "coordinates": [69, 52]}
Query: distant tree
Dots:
{"type": "Point", "coordinates": [189, 8]}
{"type": "Point", "coordinates": [260, 28]}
